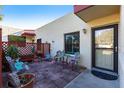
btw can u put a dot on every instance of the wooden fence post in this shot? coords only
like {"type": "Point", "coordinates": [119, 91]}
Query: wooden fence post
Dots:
{"type": "Point", "coordinates": [0, 57]}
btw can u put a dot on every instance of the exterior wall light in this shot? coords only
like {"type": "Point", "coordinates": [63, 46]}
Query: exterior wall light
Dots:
{"type": "Point", "coordinates": [84, 31]}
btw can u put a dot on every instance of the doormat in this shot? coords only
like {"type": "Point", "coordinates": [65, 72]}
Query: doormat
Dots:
{"type": "Point", "coordinates": [104, 75]}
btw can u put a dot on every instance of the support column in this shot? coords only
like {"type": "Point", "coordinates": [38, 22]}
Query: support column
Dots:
{"type": "Point", "coordinates": [121, 48]}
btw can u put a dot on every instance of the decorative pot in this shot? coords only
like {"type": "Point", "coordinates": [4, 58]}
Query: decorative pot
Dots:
{"type": "Point", "coordinates": [30, 83]}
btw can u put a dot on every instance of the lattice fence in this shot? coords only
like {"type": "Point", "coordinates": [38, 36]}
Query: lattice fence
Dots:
{"type": "Point", "coordinates": [27, 49]}
{"type": "Point", "coordinates": [5, 47]}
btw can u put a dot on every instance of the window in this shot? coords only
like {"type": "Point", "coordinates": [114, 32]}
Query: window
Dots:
{"type": "Point", "coordinates": [72, 42]}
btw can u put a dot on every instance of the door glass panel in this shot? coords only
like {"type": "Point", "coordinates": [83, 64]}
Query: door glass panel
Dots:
{"type": "Point", "coordinates": [104, 38]}
{"type": "Point", "coordinates": [104, 58]}
{"type": "Point", "coordinates": [104, 48]}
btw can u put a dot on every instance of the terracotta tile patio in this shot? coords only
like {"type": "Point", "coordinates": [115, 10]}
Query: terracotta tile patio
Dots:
{"type": "Point", "coordinates": [51, 75]}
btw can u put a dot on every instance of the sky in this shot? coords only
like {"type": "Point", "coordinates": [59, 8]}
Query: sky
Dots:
{"type": "Point", "coordinates": [32, 16]}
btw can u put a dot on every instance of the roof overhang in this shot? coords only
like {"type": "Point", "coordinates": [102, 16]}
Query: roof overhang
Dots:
{"type": "Point", "coordinates": [28, 33]}
{"type": "Point", "coordinates": [92, 12]}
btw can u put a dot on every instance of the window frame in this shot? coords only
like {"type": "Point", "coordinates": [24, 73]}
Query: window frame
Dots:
{"type": "Point", "coordinates": [72, 33]}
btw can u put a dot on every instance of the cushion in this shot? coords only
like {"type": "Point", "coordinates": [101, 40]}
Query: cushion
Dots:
{"type": "Point", "coordinates": [19, 65]}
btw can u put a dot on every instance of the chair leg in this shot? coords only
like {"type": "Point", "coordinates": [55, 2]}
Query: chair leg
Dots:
{"type": "Point", "coordinates": [75, 67]}
{"type": "Point", "coordinates": [63, 64]}
{"type": "Point", "coordinates": [72, 66]}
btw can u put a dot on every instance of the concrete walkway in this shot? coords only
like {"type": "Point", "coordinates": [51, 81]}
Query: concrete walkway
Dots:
{"type": "Point", "coordinates": [87, 80]}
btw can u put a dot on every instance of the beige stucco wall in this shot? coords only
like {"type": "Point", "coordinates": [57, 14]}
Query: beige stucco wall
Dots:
{"type": "Point", "coordinates": [114, 18]}
{"type": "Point", "coordinates": [121, 48]}
{"type": "Point", "coordinates": [29, 39]}
{"type": "Point", "coordinates": [55, 30]}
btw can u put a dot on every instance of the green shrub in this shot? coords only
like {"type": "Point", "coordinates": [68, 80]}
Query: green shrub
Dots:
{"type": "Point", "coordinates": [14, 38]}
{"type": "Point", "coordinates": [13, 51]}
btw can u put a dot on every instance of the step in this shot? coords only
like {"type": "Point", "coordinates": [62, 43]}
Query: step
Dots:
{"type": "Point", "coordinates": [105, 71]}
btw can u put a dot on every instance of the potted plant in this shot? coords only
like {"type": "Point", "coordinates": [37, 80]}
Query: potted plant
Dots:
{"type": "Point", "coordinates": [13, 52]}
{"type": "Point", "coordinates": [27, 80]}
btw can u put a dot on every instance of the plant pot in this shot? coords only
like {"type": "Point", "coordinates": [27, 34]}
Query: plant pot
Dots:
{"type": "Point", "coordinates": [30, 83]}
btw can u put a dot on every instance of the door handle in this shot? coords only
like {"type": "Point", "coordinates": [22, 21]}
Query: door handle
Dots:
{"type": "Point", "coordinates": [116, 49]}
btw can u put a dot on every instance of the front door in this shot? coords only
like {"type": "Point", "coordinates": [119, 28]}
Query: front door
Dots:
{"type": "Point", "coordinates": [105, 48]}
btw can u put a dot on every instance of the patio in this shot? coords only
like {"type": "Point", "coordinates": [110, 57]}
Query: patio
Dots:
{"type": "Point", "coordinates": [56, 73]}
{"type": "Point", "coordinates": [50, 75]}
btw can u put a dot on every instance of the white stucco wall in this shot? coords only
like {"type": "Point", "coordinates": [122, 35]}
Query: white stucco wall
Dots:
{"type": "Point", "coordinates": [9, 31]}
{"type": "Point", "coordinates": [55, 30]}
{"type": "Point", "coordinates": [121, 48]}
